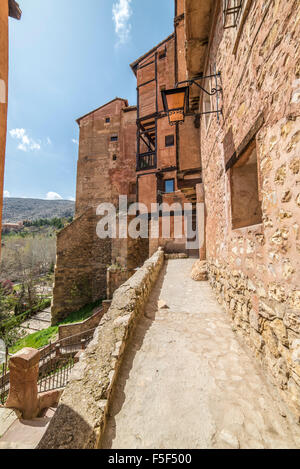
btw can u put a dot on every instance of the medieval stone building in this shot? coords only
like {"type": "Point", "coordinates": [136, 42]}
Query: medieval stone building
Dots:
{"type": "Point", "coordinates": [251, 169]}
{"type": "Point", "coordinates": [7, 8]}
{"type": "Point", "coordinates": [106, 169]}
{"type": "Point", "coordinates": [168, 158]}
{"type": "Point", "coordinates": [132, 151]}
{"type": "Point", "coordinates": [236, 147]}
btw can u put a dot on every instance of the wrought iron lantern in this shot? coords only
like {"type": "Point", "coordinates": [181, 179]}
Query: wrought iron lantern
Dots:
{"type": "Point", "coordinates": [175, 103]}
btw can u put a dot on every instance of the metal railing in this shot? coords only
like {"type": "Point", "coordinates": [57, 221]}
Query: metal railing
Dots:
{"type": "Point", "coordinates": [4, 380]}
{"type": "Point", "coordinates": [55, 375]}
{"type": "Point", "coordinates": [232, 13]}
{"type": "Point", "coordinates": [146, 161]}
{"type": "Point", "coordinates": [56, 362]}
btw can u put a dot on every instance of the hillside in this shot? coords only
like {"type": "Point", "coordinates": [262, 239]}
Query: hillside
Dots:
{"type": "Point", "coordinates": [15, 210]}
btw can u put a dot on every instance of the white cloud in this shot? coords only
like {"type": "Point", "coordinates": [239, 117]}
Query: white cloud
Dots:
{"type": "Point", "coordinates": [25, 142]}
{"type": "Point", "coordinates": [6, 194]}
{"type": "Point", "coordinates": [71, 198]}
{"type": "Point", "coordinates": [121, 16]}
{"type": "Point", "coordinates": [53, 196]}
{"type": "Point", "coordinates": [49, 142]}
{"type": "Point", "coordinates": [75, 141]}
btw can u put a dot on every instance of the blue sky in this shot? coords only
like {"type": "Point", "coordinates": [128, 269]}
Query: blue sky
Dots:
{"type": "Point", "coordinates": [68, 57]}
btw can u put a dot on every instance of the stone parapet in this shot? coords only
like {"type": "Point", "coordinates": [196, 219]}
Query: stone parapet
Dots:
{"type": "Point", "coordinates": [79, 421]}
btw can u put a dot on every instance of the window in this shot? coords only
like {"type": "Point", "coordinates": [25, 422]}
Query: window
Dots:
{"type": "Point", "coordinates": [169, 186]}
{"type": "Point", "coordinates": [115, 158]}
{"type": "Point", "coordinates": [114, 138]}
{"type": "Point", "coordinates": [107, 120]}
{"type": "Point", "coordinates": [169, 140]}
{"type": "Point", "coordinates": [245, 194]}
{"type": "Point", "coordinates": [162, 55]}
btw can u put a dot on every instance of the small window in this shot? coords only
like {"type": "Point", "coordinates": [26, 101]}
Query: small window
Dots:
{"type": "Point", "coordinates": [245, 194]}
{"type": "Point", "coordinates": [114, 138]}
{"type": "Point", "coordinates": [169, 186]}
{"type": "Point", "coordinates": [115, 158]}
{"type": "Point", "coordinates": [107, 120]}
{"type": "Point", "coordinates": [162, 55]}
{"type": "Point", "coordinates": [170, 140]}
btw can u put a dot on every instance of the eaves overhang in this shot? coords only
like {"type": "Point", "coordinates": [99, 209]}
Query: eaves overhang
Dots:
{"type": "Point", "coordinates": [14, 10]}
{"type": "Point", "coordinates": [198, 20]}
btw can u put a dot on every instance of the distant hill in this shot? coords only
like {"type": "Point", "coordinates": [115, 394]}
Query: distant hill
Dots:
{"type": "Point", "coordinates": [15, 210]}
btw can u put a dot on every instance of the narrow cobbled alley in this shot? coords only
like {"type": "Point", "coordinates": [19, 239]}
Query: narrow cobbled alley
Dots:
{"type": "Point", "coordinates": [188, 381]}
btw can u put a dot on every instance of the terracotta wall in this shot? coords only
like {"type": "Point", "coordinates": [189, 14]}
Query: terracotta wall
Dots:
{"type": "Point", "coordinates": [3, 94]}
{"type": "Point", "coordinates": [255, 269]}
{"type": "Point", "coordinates": [106, 168]}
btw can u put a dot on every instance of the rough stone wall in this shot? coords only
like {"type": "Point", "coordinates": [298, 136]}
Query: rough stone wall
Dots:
{"type": "Point", "coordinates": [3, 95]}
{"type": "Point", "coordinates": [79, 421]}
{"type": "Point", "coordinates": [80, 272]}
{"type": "Point", "coordinates": [129, 253]}
{"type": "Point", "coordinates": [255, 270]}
{"type": "Point", "coordinates": [116, 276]}
{"type": "Point", "coordinates": [70, 330]}
{"type": "Point", "coordinates": [106, 168]}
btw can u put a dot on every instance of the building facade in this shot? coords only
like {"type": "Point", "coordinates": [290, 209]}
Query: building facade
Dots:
{"type": "Point", "coordinates": [168, 158]}
{"type": "Point", "coordinates": [8, 8]}
{"type": "Point", "coordinates": [105, 170]}
{"type": "Point", "coordinates": [251, 170]}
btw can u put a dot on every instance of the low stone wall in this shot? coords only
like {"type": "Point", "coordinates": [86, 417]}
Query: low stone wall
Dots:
{"type": "Point", "coordinates": [270, 325]}
{"type": "Point", "coordinates": [81, 263]}
{"type": "Point", "coordinates": [69, 330]}
{"type": "Point", "coordinates": [79, 421]}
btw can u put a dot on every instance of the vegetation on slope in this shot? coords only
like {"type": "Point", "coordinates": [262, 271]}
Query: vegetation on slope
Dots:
{"type": "Point", "coordinates": [42, 338]}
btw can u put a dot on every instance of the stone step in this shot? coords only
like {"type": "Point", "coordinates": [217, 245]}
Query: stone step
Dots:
{"type": "Point", "coordinates": [25, 434]}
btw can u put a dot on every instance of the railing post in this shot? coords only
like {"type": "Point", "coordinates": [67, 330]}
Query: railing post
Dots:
{"type": "Point", "coordinates": [57, 350]}
{"type": "Point", "coordinates": [23, 390]}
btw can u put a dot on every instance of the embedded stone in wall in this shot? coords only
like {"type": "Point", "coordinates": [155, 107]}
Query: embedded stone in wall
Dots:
{"type": "Point", "coordinates": [199, 271]}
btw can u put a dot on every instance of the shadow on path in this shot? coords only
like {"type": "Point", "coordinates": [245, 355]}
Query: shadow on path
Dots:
{"type": "Point", "coordinates": [134, 345]}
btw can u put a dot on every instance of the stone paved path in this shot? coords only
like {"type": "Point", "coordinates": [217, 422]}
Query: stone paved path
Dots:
{"type": "Point", "coordinates": [38, 322]}
{"type": "Point", "coordinates": [22, 434]}
{"type": "Point", "coordinates": [188, 382]}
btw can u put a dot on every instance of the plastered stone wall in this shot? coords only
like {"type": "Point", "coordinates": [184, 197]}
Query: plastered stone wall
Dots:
{"type": "Point", "coordinates": [80, 272]}
{"type": "Point", "coordinates": [79, 421]}
{"type": "Point", "coordinates": [255, 270]}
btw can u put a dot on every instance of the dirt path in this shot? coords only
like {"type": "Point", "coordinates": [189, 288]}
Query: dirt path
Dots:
{"type": "Point", "coordinates": [188, 382]}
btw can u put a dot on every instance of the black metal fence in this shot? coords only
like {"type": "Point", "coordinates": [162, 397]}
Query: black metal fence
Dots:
{"type": "Point", "coordinates": [55, 375]}
{"type": "Point", "coordinates": [4, 380]}
{"type": "Point", "coordinates": [56, 362]}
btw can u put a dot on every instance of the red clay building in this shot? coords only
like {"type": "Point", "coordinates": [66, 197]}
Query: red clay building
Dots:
{"type": "Point", "coordinates": [168, 158]}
